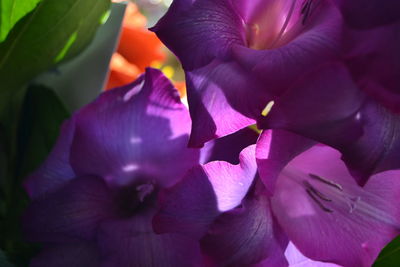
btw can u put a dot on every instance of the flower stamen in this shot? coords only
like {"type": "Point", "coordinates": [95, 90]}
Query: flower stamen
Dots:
{"type": "Point", "coordinates": [326, 181]}
{"type": "Point", "coordinates": [314, 197]}
{"type": "Point", "coordinates": [316, 192]}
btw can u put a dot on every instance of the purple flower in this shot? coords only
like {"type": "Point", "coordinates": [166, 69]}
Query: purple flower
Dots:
{"type": "Point", "coordinates": [95, 195]}
{"type": "Point", "coordinates": [240, 55]}
{"type": "Point", "coordinates": [306, 196]}
{"type": "Point", "coordinates": [341, 116]}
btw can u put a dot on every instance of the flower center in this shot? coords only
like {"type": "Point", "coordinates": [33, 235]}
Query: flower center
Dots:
{"type": "Point", "coordinates": [132, 199]}
{"type": "Point", "coordinates": [277, 22]}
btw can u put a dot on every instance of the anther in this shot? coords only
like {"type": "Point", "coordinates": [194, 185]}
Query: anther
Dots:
{"type": "Point", "coordinates": [311, 194]}
{"type": "Point", "coordinates": [325, 181]}
{"type": "Point", "coordinates": [316, 192]}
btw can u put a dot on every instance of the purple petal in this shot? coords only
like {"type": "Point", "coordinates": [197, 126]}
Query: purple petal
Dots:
{"type": "Point", "coordinates": [245, 236]}
{"type": "Point", "coordinates": [371, 13]}
{"type": "Point", "coordinates": [191, 205]}
{"type": "Point", "coordinates": [318, 42]}
{"type": "Point", "coordinates": [321, 106]}
{"type": "Point", "coordinates": [275, 148]}
{"type": "Point", "coordinates": [223, 98]}
{"type": "Point", "coordinates": [296, 259]}
{"type": "Point", "coordinates": [378, 149]}
{"type": "Point", "coordinates": [229, 147]}
{"type": "Point", "coordinates": [373, 58]}
{"type": "Point", "coordinates": [136, 133]}
{"type": "Point", "coordinates": [56, 170]}
{"type": "Point", "coordinates": [328, 216]}
{"type": "Point", "coordinates": [201, 31]}
{"type": "Point", "coordinates": [69, 213]}
{"type": "Point", "coordinates": [67, 255]}
{"type": "Point", "coordinates": [132, 243]}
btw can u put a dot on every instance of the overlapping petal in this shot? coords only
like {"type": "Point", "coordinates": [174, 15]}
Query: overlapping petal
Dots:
{"type": "Point", "coordinates": [191, 205]}
{"type": "Point", "coordinates": [81, 254]}
{"type": "Point", "coordinates": [275, 148]}
{"type": "Point", "coordinates": [245, 236]}
{"type": "Point", "coordinates": [71, 213]}
{"type": "Point", "coordinates": [199, 31]}
{"type": "Point", "coordinates": [372, 13]}
{"type": "Point", "coordinates": [133, 243]}
{"type": "Point", "coordinates": [331, 218]}
{"type": "Point", "coordinates": [219, 101]}
{"type": "Point", "coordinates": [134, 133]}
{"type": "Point", "coordinates": [378, 149]}
{"type": "Point", "coordinates": [322, 108]}
{"type": "Point", "coordinates": [317, 42]}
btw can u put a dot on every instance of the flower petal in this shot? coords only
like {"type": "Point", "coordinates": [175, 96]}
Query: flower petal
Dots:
{"type": "Point", "coordinates": [322, 106]}
{"type": "Point", "coordinates": [56, 170]}
{"type": "Point", "coordinates": [132, 243]}
{"type": "Point", "coordinates": [367, 14]}
{"type": "Point", "coordinates": [223, 98]}
{"type": "Point", "coordinates": [319, 42]}
{"type": "Point", "coordinates": [199, 31]}
{"type": "Point", "coordinates": [229, 147]}
{"type": "Point", "coordinates": [373, 58]}
{"type": "Point", "coordinates": [275, 148]}
{"type": "Point", "coordinates": [296, 259]}
{"type": "Point", "coordinates": [135, 133]}
{"type": "Point", "coordinates": [191, 205]}
{"type": "Point", "coordinates": [69, 213]}
{"type": "Point", "coordinates": [378, 149]}
{"type": "Point", "coordinates": [67, 255]}
{"type": "Point", "coordinates": [245, 235]}
{"type": "Point", "coordinates": [331, 218]}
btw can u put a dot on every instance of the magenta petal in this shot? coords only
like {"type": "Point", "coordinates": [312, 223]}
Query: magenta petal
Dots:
{"type": "Point", "coordinates": [296, 259]}
{"type": "Point", "coordinates": [223, 98]}
{"type": "Point", "coordinates": [56, 170]}
{"type": "Point", "coordinates": [192, 30]}
{"type": "Point", "coordinates": [229, 147]}
{"type": "Point", "coordinates": [245, 235]}
{"type": "Point", "coordinates": [132, 243]}
{"type": "Point", "coordinates": [134, 133]}
{"type": "Point", "coordinates": [191, 205]}
{"type": "Point", "coordinates": [331, 218]}
{"type": "Point", "coordinates": [69, 213]}
{"type": "Point", "coordinates": [320, 106]}
{"type": "Point", "coordinates": [275, 148]}
{"type": "Point", "coordinates": [68, 255]}
{"type": "Point", "coordinates": [318, 43]}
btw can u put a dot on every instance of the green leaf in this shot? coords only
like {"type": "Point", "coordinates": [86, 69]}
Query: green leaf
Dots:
{"type": "Point", "coordinates": [11, 11]}
{"type": "Point", "coordinates": [3, 260]}
{"type": "Point", "coordinates": [39, 126]}
{"type": "Point", "coordinates": [390, 255]}
{"type": "Point", "coordinates": [53, 31]}
{"type": "Point", "coordinates": [42, 116]}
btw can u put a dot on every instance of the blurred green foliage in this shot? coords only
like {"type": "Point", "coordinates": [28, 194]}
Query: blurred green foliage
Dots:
{"type": "Point", "coordinates": [390, 255]}
{"type": "Point", "coordinates": [42, 38]}
{"type": "Point", "coordinates": [39, 125]}
{"type": "Point", "coordinates": [11, 11]}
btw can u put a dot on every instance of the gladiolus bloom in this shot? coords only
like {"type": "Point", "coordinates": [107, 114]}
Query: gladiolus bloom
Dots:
{"type": "Point", "coordinates": [309, 198]}
{"type": "Point", "coordinates": [95, 195]}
